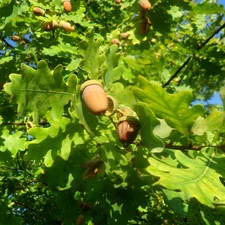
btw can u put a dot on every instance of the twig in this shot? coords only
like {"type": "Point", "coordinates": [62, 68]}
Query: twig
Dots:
{"type": "Point", "coordinates": [183, 147]}
{"type": "Point", "coordinates": [178, 71]}
{"type": "Point", "coordinates": [198, 48]}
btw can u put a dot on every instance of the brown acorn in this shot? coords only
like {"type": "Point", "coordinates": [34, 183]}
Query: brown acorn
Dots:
{"type": "Point", "coordinates": [67, 5]}
{"type": "Point", "coordinates": [94, 97]}
{"type": "Point", "coordinates": [127, 129]}
{"type": "Point", "coordinates": [50, 25]}
{"type": "Point", "coordinates": [79, 220]}
{"type": "Point", "coordinates": [66, 26]}
{"type": "Point", "coordinates": [38, 11]}
{"type": "Point", "coordinates": [144, 25]}
{"type": "Point", "coordinates": [115, 41]}
{"type": "Point", "coordinates": [124, 35]}
{"type": "Point", "coordinates": [15, 38]}
{"type": "Point", "coordinates": [117, 1]}
{"type": "Point", "coordinates": [144, 28]}
{"type": "Point", "coordinates": [145, 5]}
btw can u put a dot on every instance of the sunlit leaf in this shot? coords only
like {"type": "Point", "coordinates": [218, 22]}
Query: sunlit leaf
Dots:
{"type": "Point", "coordinates": [173, 108]}
{"type": "Point", "coordinates": [39, 90]}
{"type": "Point", "coordinates": [197, 178]}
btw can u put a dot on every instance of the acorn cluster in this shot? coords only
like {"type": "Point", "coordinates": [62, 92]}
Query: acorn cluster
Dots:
{"type": "Point", "coordinates": [51, 25]}
{"type": "Point", "coordinates": [99, 103]}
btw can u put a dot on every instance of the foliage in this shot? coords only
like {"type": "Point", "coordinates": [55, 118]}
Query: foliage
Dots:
{"type": "Point", "coordinates": [61, 164]}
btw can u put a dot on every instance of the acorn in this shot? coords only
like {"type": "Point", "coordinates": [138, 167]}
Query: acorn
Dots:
{"type": "Point", "coordinates": [79, 220]}
{"type": "Point", "coordinates": [38, 11]}
{"type": "Point", "coordinates": [145, 5]}
{"type": "Point", "coordinates": [66, 26]}
{"type": "Point", "coordinates": [117, 1]}
{"type": "Point", "coordinates": [115, 41]}
{"type": "Point", "coordinates": [127, 129]}
{"type": "Point", "coordinates": [124, 35]}
{"type": "Point", "coordinates": [67, 5]}
{"type": "Point", "coordinates": [50, 25]}
{"type": "Point", "coordinates": [94, 97]}
{"type": "Point", "coordinates": [144, 28]}
{"type": "Point", "coordinates": [112, 106]}
{"type": "Point", "coordinates": [144, 25]}
{"type": "Point", "coordinates": [15, 38]}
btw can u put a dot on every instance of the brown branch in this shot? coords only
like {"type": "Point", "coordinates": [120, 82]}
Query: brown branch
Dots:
{"type": "Point", "coordinates": [210, 37]}
{"type": "Point", "coordinates": [198, 48]}
{"type": "Point", "coordinates": [176, 73]}
{"type": "Point", "coordinates": [182, 148]}
{"type": "Point", "coordinates": [21, 123]}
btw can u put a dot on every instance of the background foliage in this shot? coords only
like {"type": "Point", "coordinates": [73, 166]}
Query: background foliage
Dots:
{"type": "Point", "coordinates": [60, 164]}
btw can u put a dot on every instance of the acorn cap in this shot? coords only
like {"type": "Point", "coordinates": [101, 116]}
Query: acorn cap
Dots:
{"type": "Point", "coordinates": [130, 119]}
{"type": "Point", "coordinates": [112, 106]}
{"type": "Point", "coordinates": [88, 83]}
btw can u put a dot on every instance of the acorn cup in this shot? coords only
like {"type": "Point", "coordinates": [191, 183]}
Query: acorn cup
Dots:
{"type": "Point", "coordinates": [127, 129]}
{"type": "Point", "coordinates": [49, 26]}
{"type": "Point", "coordinates": [112, 106]}
{"type": "Point", "coordinates": [94, 97]}
{"type": "Point", "coordinates": [67, 5]}
{"type": "Point", "coordinates": [38, 11]}
{"type": "Point", "coordinates": [66, 26]}
{"type": "Point", "coordinates": [145, 5]}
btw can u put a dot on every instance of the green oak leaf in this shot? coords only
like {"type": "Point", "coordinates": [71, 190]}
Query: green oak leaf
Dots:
{"type": "Point", "coordinates": [148, 122]}
{"type": "Point", "coordinates": [11, 141]}
{"type": "Point", "coordinates": [18, 10]}
{"type": "Point", "coordinates": [200, 126]}
{"type": "Point", "coordinates": [173, 108]}
{"type": "Point", "coordinates": [56, 140]}
{"type": "Point", "coordinates": [208, 8]}
{"type": "Point", "coordinates": [162, 130]}
{"type": "Point", "coordinates": [113, 72]}
{"type": "Point", "coordinates": [195, 177]}
{"type": "Point", "coordinates": [92, 58]}
{"type": "Point", "coordinates": [215, 120]}
{"type": "Point", "coordinates": [39, 90]}
{"type": "Point", "coordinates": [5, 59]}
{"type": "Point", "coordinates": [222, 96]}
{"type": "Point", "coordinates": [61, 50]}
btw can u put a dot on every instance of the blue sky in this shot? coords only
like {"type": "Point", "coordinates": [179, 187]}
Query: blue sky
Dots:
{"type": "Point", "coordinates": [216, 98]}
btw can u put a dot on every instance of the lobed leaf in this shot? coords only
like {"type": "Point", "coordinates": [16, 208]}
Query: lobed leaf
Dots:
{"type": "Point", "coordinates": [113, 72]}
{"type": "Point", "coordinates": [39, 90]}
{"type": "Point", "coordinates": [195, 177]}
{"type": "Point", "coordinates": [148, 122]}
{"type": "Point", "coordinates": [92, 58]}
{"type": "Point", "coordinates": [11, 141]}
{"type": "Point", "coordinates": [56, 140]}
{"type": "Point", "coordinates": [173, 108]}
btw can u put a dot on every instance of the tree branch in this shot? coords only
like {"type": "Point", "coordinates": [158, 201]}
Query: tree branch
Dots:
{"type": "Point", "coordinates": [183, 147]}
{"type": "Point", "coordinates": [198, 48]}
